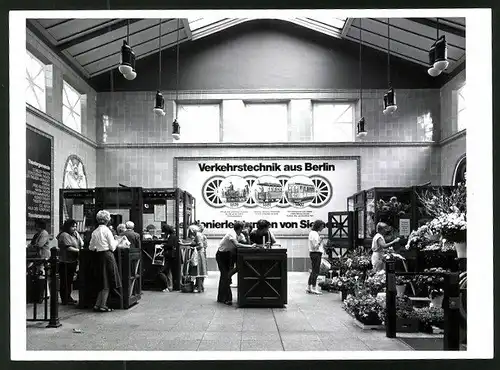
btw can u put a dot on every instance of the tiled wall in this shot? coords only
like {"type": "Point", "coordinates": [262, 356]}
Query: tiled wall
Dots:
{"type": "Point", "coordinates": [58, 72]}
{"type": "Point", "coordinates": [455, 148]}
{"type": "Point", "coordinates": [131, 118]}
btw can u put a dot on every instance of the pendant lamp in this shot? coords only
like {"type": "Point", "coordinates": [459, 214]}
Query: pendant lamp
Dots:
{"type": "Point", "coordinates": [438, 54]}
{"type": "Point", "coordinates": [390, 97]}
{"type": "Point", "coordinates": [360, 127]}
{"type": "Point", "coordinates": [159, 108]}
{"type": "Point", "coordinates": [127, 61]}
{"type": "Point", "coordinates": [176, 128]}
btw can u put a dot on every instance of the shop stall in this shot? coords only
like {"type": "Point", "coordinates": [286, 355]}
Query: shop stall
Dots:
{"type": "Point", "coordinates": [174, 207]}
{"type": "Point", "coordinates": [262, 277]}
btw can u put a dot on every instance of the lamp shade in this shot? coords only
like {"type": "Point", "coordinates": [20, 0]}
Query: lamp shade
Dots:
{"type": "Point", "coordinates": [159, 104]}
{"type": "Point", "coordinates": [127, 62]}
{"type": "Point", "coordinates": [176, 130]}
{"type": "Point", "coordinates": [441, 58]}
{"type": "Point", "coordinates": [391, 101]}
{"type": "Point", "coordinates": [360, 128]}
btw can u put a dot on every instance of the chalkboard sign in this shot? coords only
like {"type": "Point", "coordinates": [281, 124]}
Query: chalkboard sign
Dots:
{"type": "Point", "coordinates": [38, 180]}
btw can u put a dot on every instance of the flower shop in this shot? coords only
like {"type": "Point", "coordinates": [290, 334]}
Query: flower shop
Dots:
{"type": "Point", "coordinates": [425, 266]}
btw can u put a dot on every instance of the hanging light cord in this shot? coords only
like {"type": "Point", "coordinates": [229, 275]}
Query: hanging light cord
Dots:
{"type": "Point", "coordinates": [360, 69]}
{"type": "Point", "coordinates": [388, 53]}
{"type": "Point", "coordinates": [159, 58]}
{"type": "Point", "coordinates": [177, 72]}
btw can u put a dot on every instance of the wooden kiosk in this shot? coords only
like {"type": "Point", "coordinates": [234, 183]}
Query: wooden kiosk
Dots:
{"type": "Point", "coordinates": [262, 277]}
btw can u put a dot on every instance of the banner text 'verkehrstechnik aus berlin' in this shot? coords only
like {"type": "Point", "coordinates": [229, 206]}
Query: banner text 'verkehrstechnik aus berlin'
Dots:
{"type": "Point", "coordinates": [273, 167]}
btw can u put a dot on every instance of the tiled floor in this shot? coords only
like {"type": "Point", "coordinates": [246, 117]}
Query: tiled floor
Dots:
{"type": "Point", "coordinates": [195, 322]}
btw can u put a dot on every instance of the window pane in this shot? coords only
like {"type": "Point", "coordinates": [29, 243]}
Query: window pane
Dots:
{"type": "Point", "coordinates": [461, 107]}
{"type": "Point", "coordinates": [260, 122]}
{"type": "Point", "coordinates": [72, 107]}
{"type": "Point", "coordinates": [200, 123]}
{"type": "Point", "coordinates": [35, 82]}
{"type": "Point", "coordinates": [333, 122]}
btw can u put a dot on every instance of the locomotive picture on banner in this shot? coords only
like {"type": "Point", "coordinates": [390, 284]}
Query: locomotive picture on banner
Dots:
{"type": "Point", "coordinates": [267, 191]}
{"type": "Point", "coordinates": [234, 191]}
{"type": "Point", "coordinates": [300, 191]}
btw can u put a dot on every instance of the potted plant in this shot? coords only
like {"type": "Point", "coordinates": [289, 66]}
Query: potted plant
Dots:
{"type": "Point", "coordinates": [453, 228]}
{"type": "Point", "coordinates": [401, 282]}
{"type": "Point", "coordinates": [364, 308]}
{"type": "Point", "coordinates": [432, 284]}
{"type": "Point", "coordinates": [406, 317]}
{"type": "Point", "coordinates": [429, 317]}
{"type": "Point", "coordinates": [376, 283]}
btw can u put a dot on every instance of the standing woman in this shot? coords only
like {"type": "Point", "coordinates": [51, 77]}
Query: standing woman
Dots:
{"type": "Point", "coordinates": [202, 261]}
{"type": "Point", "coordinates": [104, 243]}
{"type": "Point", "coordinates": [69, 243]}
{"type": "Point", "coordinates": [200, 270]}
{"type": "Point", "coordinates": [315, 253]}
{"type": "Point", "coordinates": [379, 247]}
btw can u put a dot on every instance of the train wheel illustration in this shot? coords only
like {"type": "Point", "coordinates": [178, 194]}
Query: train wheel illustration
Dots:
{"type": "Point", "coordinates": [323, 190]}
{"type": "Point", "coordinates": [211, 192]}
{"type": "Point", "coordinates": [283, 203]}
{"type": "Point", "coordinates": [250, 181]}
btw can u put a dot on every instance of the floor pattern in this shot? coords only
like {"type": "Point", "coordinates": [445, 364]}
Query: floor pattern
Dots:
{"type": "Point", "coordinates": [196, 322]}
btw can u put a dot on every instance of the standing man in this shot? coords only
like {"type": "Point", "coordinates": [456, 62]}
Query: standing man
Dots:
{"type": "Point", "coordinates": [227, 247]}
{"type": "Point", "coordinates": [133, 237]}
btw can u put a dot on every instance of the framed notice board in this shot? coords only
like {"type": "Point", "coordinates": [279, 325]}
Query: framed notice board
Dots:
{"type": "Point", "coordinates": [39, 180]}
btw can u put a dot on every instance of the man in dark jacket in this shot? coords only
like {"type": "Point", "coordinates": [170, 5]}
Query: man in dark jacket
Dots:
{"type": "Point", "coordinates": [133, 237]}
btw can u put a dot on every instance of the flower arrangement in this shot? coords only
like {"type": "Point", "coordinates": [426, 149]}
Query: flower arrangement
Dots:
{"type": "Point", "coordinates": [376, 283]}
{"type": "Point", "coordinates": [402, 280]}
{"type": "Point", "coordinates": [361, 263]}
{"type": "Point", "coordinates": [391, 255]}
{"type": "Point", "coordinates": [431, 281]}
{"type": "Point", "coordinates": [429, 316]}
{"type": "Point", "coordinates": [364, 308]}
{"type": "Point", "coordinates": [393, 206]}
{"type": "Point", "coordinates": [452, 226]}
{"type": "Point", "coordinates": [420, 238]}
{"type": "Point", "coordinates": [437, 201]}
{"type": "Point", "coordinates": [404, 310]}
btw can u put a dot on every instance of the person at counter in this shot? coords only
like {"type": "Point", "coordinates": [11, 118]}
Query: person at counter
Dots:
{"type": "Point", "coordinates": [379, 246]}
{"type": "Point", "coordinates": [133, 237]}
{"type": "Point", "coordinates": [315, 253]}
{"type": "Point", "coordinates": [150, 233]}
{"type": "Point", "coordinates": [104, 243]}
{"type": "Point", "coordinates": [69, 243]}
{"type": "Point", "coordinates": [245, 239]}
{"type": "Point", "coordinates": [169, 248]}
{"type": "Point", "coordinates": [262, 237]}
{"type": "Point", "coordinates": [227, 246]}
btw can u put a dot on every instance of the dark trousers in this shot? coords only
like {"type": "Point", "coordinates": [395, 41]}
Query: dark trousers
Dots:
{"type": "Point", "coordinates": [234, 266]}
{"type": "Point", "coordinates": [315, 264]}
{"type": "Point", "coordinates": [224, 263]}
{"type": "Point", "coordinates": [66, 274]}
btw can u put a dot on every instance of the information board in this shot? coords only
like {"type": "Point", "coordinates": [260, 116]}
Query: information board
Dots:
{"type": "Point", "coordinates": [38, 180]}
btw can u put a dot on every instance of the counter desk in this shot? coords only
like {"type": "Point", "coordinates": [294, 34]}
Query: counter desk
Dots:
{"type": "Point", "coordinates": [262, 277]}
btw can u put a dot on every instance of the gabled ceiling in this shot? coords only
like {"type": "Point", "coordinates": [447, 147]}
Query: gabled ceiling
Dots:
{"type": "Point", "coordinates": [93, 45]}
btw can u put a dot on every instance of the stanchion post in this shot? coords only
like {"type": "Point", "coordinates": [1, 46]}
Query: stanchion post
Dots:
{"type": "Point", "coordinates": [390, 300]}
{"type": "Point", "coordinates": [54, 300]}
{"type": "Point", "coordinates": [451, 305]}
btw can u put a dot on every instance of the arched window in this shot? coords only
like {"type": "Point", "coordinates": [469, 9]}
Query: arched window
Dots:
{"type": "Point", "coordinates": [460, 173]}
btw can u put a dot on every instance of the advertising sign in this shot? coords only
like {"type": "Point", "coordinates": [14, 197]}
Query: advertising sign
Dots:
{"type": "Point", "coordinates": [289, 192]}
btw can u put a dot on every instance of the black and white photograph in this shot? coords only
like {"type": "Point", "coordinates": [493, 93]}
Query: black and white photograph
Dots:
{"type": "Point", "coordinates": [251, 184]}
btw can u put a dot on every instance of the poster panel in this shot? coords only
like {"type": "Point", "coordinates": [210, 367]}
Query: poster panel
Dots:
{"type": "Point", "coordinates": [289, 192]}
{"type": "Point", "coordinates": [38, 180]}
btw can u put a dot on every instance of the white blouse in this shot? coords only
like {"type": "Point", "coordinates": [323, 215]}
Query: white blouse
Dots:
{"type": "Point", "coordinates": [103, 240]}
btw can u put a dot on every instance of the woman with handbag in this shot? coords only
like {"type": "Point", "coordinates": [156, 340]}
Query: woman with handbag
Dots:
{"type": "Point", "coordinates": [198, 261]}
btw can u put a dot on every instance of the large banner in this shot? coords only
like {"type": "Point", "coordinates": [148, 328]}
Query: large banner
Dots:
{"type": "Point", "coordinates": [288, 192]}
{"type": "Point", "coordinates": [38, 180]}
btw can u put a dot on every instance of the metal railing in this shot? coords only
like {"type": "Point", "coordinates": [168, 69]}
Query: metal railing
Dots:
{"type": "Point", "coordinates": [47, 272]}
{"type": "Point", "coordinates": [451, 304]}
